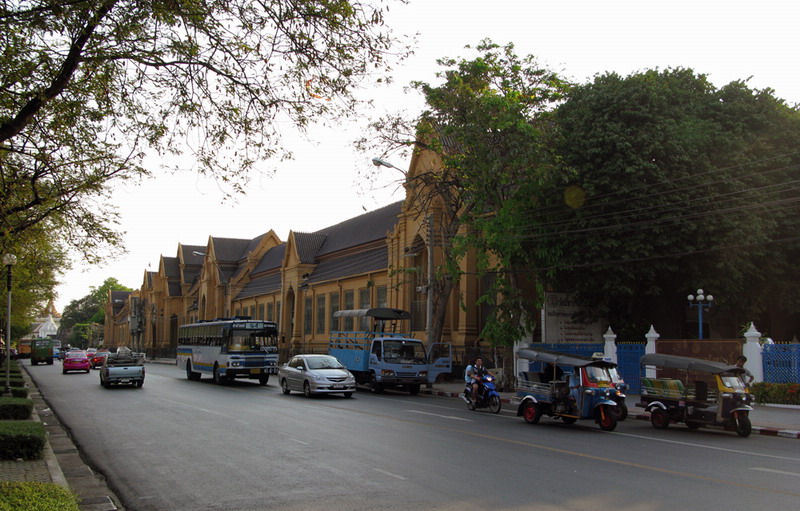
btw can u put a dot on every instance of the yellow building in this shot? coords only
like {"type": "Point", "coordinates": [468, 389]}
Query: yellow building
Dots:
{"type": "Point", "coordinates": [378, 259]}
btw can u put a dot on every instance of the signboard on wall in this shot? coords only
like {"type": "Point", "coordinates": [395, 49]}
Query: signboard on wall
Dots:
{"type": "Point", "coordinates": [559, 324]}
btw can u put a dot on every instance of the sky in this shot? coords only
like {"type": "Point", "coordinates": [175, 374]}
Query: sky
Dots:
{"type": "Point", "coordinates": [726, 40]}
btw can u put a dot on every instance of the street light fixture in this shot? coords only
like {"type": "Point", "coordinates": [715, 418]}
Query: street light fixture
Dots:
{"type": "Point", "coordinates": [9, 260]}
{"type": "Point", "coordinates": [379, 162]}
{"type": "Point", "coordinates": [700, 301]}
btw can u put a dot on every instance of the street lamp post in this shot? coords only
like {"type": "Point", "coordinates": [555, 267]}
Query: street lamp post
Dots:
{"type": "Point", "coordinates": [700, 301]}
{"type": "Point", "coordinates": [9, 260]}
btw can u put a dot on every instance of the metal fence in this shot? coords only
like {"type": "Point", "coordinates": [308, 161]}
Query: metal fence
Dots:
{"type": "Point", "coordinates": [781, 363]}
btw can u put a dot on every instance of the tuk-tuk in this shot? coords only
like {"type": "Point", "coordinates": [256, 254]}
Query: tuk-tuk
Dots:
{"type": "Point", "coordinates": [586, 392]}
{"type": "Point", "coordinates": [619, 384]}
{"type": "Point", "coordinates": [688, 398]}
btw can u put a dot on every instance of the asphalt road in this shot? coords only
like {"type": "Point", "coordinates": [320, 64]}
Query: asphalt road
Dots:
{"type": "Point", "coordinates": [184, 445]}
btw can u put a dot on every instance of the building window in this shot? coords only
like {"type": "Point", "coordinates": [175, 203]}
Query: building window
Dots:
{"type": "Point", "coordinates": [381, 296]}
{"type": "Point", "coordinates": [335, 323]}
{"type": "Point", "coordinates": [277, 313]}
{"type": "Point", "coordinates": [309, 311]}
{"type": "Point", "coordinates": [363, 303]}
{"type": "Point", "coordinates": [261, 311]}
{"type": "Point", "coordinates": [349, 303]}
{"type": "Point", "coordinates": [321, 314]}
{"type": "Point", "coordinates": [252, 312]}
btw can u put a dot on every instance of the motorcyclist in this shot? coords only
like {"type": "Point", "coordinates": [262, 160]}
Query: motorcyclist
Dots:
{"type": "Point", "coordinates": [475, 373]}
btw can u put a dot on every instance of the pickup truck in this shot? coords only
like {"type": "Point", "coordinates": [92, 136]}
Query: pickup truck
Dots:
{"type": "Point", "coordinates": [122, 367]}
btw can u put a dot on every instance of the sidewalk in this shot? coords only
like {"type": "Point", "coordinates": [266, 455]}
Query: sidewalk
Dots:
{"type": "Point", "coordinates": [773, 420]}
{"type": "Point", "coordinates": [62, 463]}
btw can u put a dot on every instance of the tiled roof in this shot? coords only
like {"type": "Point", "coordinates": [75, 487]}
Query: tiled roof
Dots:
{"type": "Point", "coordinates": [272, 259]}
{"type": "Point", "coordinates": [359, 230]}
{"type": "Point", "coordinates": [230, 249]}
{"type": "Point", "coordinates": [308, 245]}
{"type": "Point", "coordinates": [174, 288]}
{"type": "Point", "coordinates": [354, 264]}
{"type": "Point", "coordinates": [172, 267]}
{"type": "Point", "coordinates": [261, 285]}
{"type": "Point", "coordinates": [189, 256]}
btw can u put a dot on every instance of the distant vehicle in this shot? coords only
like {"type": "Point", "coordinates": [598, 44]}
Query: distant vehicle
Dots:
{"type": "Point", "coordinates": [24, 348]}
{"type": "Point", "coordinates": [316, 374]}
{"type": "Point", "coordinates": [384, 359]}
{"type": "Point", "coordinates": [701, 393]}
{"type": "Point", "coordinates": [98, 358]}
{"type": "Point", "coordinates": [42, 351]}
{"type": "Point", "coordinates": [76, 361]}
{"type": "Point", "coordinates": [122, 368]}
{"type": "Point", "coordinates": [90, 352]}
{"type": "Point", "coordinates": [228, 349]}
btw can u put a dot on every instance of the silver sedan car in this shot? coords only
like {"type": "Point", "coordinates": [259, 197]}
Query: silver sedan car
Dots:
{"type": "Point", "coordinates": [316, 374]}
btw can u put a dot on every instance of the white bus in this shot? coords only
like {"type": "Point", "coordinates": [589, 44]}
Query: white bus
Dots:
{"type": "Point", "coordinates": [228, 349]}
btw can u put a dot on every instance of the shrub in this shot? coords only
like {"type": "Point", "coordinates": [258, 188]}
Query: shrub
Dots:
{"type": "Point", "coordinates": [21, 439]}
{"type": "Point", "coordinates": [777, 393]}
{"type": "Point", "coordinates": [15, 382]}
{"type": "Point", "coordinates": [20, 392]}
{"type": "Point", "coordinates": [14, 408]}
{"type": "Point", "coordinates": [33, 496]}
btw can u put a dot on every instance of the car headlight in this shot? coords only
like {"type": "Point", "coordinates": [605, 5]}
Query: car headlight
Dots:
{"type": "Point", "coordinates": [235, 363]}
{"type": "Point", "coordinates": [317, 377]}
{"type": "Point", "coordinates": [424, 374]}
{"type": "Point", "coordinates": [387, 372]}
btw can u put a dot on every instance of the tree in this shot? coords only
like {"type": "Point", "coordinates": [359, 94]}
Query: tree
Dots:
{"type": "Point", "coordinates": [88, 310]}
{"type": "Point", "coordinates": [87, 87]}
{"type": "Point", "coordinates": [488, 125]}
{"type": "Point", "coordinates": [669, 184]}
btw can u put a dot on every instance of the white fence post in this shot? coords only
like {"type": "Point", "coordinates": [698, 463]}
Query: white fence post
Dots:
{"type": "Point", "coordinates": [609, 345]}
{"type": "Point", "coordinates": [650, 347]}
{"type": "Point", "coordinates": [754, 353]}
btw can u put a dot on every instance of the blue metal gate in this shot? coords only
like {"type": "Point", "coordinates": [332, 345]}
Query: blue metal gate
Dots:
{"type": "Point", "coordinates": [628, 355]}
{"type": "Point", "coordinates": [781, 363]}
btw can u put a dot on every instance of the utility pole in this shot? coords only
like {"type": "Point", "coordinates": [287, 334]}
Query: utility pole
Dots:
{"type": "Point", "coordinates": [429, 322]}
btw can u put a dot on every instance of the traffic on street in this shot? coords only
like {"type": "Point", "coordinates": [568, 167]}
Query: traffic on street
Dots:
{"type": "Point", "coordinates": [185, 445]}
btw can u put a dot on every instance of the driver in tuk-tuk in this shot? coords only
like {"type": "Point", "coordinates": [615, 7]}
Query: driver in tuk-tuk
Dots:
{"type": "Point", "coordinates": [747, 376]}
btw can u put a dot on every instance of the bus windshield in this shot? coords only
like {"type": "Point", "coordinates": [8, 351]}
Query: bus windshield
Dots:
{"type": "Point", "coordinates": [242, 340]}
{"type": "Point", "coordinates": [404, 352]}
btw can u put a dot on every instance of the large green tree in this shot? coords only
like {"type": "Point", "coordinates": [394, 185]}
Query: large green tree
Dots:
{"type": "Point", "coordinates": [86, 87]}
{"type": "Point", "coordinates": [488, 121]}
{"type": "Point", "coordinates": [668, 184]}
{"type": "Point", "coordinates": [88, 310]}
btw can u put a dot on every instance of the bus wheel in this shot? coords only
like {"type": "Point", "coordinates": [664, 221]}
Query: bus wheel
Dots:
{"type": "Point", "coordinates": [217, 377]}
{"type": "Point", "coordinates": [191, 375]}
{"type": "Point", "coordinates": [263, 379]}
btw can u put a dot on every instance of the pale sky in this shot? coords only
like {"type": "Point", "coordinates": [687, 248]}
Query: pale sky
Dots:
{"type": "Point", "coordinates": [726, 40]}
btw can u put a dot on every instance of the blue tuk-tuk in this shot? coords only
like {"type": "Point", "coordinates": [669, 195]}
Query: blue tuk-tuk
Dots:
{"type": "Point", "coordinates": [583, 390]}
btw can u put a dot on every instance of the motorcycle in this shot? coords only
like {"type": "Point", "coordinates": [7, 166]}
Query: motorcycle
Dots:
{"type": "Point", "coordinates": [487, 395]}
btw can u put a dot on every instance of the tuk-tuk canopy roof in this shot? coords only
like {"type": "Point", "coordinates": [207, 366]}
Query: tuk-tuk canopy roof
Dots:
{"type": "Point", "coordinates": [687, 363]}
{"type": "Point", "coordinates": [541, 355]}
{"type": "Point", "coordinates": [379, 313]}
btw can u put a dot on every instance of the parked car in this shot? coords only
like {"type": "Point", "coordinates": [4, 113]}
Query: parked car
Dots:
{"type": "Point", "coordinates": [316, 374]}
{"type": "Point", "coordinates": [76, 361]}
{"type": "Point", "coordinates": [97, 359]}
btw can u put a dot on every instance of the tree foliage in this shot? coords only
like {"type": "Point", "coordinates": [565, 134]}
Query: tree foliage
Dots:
{"type": "Point", "coordinates": [488, 123]}
{"type": "Point", "coordinates": [88, 310]}
{"type": "Point", "coordinates": [87, 87]}
{"type": "Point", "coordinates": [668, 184]}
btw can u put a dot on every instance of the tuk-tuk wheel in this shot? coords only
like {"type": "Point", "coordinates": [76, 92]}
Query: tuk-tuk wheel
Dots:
{"type": "Point", "coordinates": [659, 418]}
{"type": "Point", "coordinates": [743, 426]}
{"type": "Point", "coordinates": [530, 412]}
{"type": "Point", "coordinates": [606, 418]}
{"type": "Point", "coordinates": [621, 410]}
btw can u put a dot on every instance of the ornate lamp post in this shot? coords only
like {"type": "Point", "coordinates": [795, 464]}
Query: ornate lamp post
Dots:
{"type": "Point", "coordinates": [701, 302]}
{"type": "Point", "coordinates": [9, 260]}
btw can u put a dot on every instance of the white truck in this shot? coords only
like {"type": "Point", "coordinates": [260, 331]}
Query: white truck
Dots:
{"type": "Point", "coordinates": [122, 368]}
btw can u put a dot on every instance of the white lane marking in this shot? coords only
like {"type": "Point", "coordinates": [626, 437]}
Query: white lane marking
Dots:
{"type": "Point", "coordinates": [773, 471]}
{"type": "Point", "coordinates": [439, 415]}
{"type": "Point", "coordinates": [689, 444]}
{"type": "Point", "coordinates": [389, 474]}
{"type": "Point", "coordinates": [242, 422]}
{"type": "Point", "coordinates": [299, 441]}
